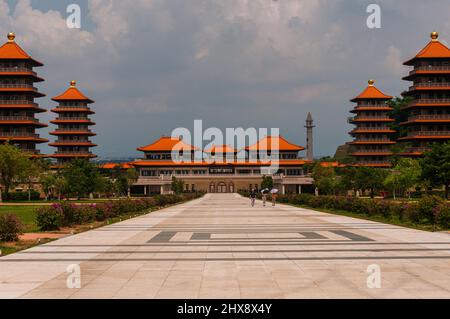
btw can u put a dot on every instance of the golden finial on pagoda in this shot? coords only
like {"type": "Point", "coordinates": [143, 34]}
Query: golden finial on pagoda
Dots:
{"type": "Point", "coordinates": [73, 83]}
{"type": "Point", "coordinates": [11, 37]}
{"type": "Point", "coordinates": [434, 35]}
{"type": "Point", "coordinates": [371, 82]}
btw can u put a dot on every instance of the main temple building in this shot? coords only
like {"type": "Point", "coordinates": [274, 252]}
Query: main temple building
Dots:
{"type": "Point", "coordinates": [222, 171]}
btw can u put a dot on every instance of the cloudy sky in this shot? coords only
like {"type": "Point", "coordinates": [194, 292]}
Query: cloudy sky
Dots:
{"type": "Point", "coordinates": [154, 65]}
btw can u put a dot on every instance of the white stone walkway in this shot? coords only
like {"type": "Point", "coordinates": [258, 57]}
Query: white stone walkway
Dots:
{"type": "Point", "coordinates": [220, 247]}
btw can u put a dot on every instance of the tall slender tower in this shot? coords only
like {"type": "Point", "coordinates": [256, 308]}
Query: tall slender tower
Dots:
{"type": "Point", "coordinates": [17, 93]}
{"type": "Point", "coordinates": [73, 126]}
{"type": "Point", "coordinates": [429, 111]}
{"type": "Point", "coordinates": [372, 134]}
{"type": "Point", "coordinates": [309, 137]}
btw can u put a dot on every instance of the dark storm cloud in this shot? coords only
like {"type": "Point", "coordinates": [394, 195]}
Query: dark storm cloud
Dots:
{"type": "Point", "coordinates": [154, 65]}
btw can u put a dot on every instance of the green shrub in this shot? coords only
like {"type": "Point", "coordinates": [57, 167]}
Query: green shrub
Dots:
{"type": "Point", "coordinates": [84, 214]}
{"type": "Point", "coordinates": [10, 227]}
{"type": "Point", "coordinates": [426, 205]}
{"type": "Point", "coordinates": [68, 211]}
{"type": "Point", "coordinates": [66, 214]}
{"type": "Point", "coordinates": [442, 215]}
{"type": "Point", "coordinates": [49, 218]}
{"type": "Point", "coordinates": [22, 196]}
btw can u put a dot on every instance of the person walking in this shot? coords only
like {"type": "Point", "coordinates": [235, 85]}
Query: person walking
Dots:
{"type": "Point", "coordinates": [264, 193]}
{"type": "Point", "coordinates": [274, 193]}
{"type": "Point", "coordinates": [253, 197]}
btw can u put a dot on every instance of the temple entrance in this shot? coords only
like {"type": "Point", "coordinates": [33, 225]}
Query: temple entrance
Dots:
{"type": "Point", "coordinates": [222, 188]}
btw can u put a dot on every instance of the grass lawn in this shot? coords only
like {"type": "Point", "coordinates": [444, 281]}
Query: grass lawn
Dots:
{"type": "Point", "coordinates": [26, 214]}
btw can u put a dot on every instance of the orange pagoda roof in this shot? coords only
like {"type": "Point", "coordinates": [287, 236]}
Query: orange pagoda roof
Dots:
{"type": "Point", "coordinates": [224, 149]}
{"type": "Point", "coordinates": [434, 49]}
{"type": "Point", "coordinates": [331, 164]}
{"type": "Point", "coordinates": [216, 163]}
{"type": "Point", "coordinates": [167, 144]}
{"type": "Point", "coordinates": [72, 94]}
{"type": "Point", "coordinates": [115, 165]}
{"type": "Point", "coordinates": [11, 50]}
{"type": "Point", "coordinates": [266, 144]}
{"type": "Point", "coordinates": [371, 92]}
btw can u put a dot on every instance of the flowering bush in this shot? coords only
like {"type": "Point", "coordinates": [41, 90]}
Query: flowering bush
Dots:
{"type": "Point", "coordinates": [428, 210]}
{"type": "Point", "coordinates": [49, 218]}
{"type": "Point", "coordinates": [10, 227]}
{"type": "Point", "coordinates": [67, 214]}
{"type": "Point", "coordinates": [442, 215]}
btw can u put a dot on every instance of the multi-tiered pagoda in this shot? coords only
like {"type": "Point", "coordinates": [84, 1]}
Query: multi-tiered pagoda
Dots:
{"type": "Point", "coordinates": [73, 126]}
{"type": "Point", "coordinates": [372, 135]}
{"type": "Point", "coordinates": [429, 111]}
{"type": "Point", "coordinates": [17, 93]}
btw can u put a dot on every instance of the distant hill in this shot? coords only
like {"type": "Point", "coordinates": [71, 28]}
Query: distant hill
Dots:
{"type": "Point", "coordinates": [342, 152]}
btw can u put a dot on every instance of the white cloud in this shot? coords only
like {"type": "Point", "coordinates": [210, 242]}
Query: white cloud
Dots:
{"type": "Point", "coordinates": [393, 61]}
{"type": "Point", "coordinates": [152, 59]}
{"type": "Point", "coordinates": [46, 32]}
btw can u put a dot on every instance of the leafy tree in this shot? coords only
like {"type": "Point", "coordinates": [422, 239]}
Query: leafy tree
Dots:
{"type": "Point", "coordinates": [399, 114]}
{"type": "Point", "coordinates": [346, 178]}
{"type": "Point", "coordinates": [82, 177]}
{"type": "Point", "coordinates": [125, 179]}
{"type": "Point", "coordinates": [48, 182]}
{"type": "Point", "coordinates": [267, 182]}
{"type": "Point", "coordinates": [436, 166]}
{"type": "Point", "coordinates": [30, 175]}
{"type": "Point", "coordinates": [405, 175]}
{"type": "Point", "coordinates": [324, 179]}
{"type": "Point", "coordinates": [103, 185]}
{"type": "Point", "coordinates": [370, 178]}
{"type": "Point", "coordinates": [14, 165]}
{"type": "Point", "coordinates": [131, 177]}
{"type": "Point", "coordinates": [177, 185]}
{"type": "Point", "coordinates": [61, 185]}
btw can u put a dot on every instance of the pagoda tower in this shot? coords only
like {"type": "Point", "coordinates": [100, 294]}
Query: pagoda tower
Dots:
{"type": "Point", "coordinates": [17, 93]}
{"type": "Point", "coordinates": [429, 111]}
{"type": "Point", "coordinates": [73, 126]}
{"type": "Point", "coordinates": [372, 135]}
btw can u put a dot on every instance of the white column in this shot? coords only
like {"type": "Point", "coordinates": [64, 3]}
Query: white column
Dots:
{"type": "Point", "coordinates": [283, 189]}
{"type": "Point", "coordinates": [145, 189]}
{"type": "Point", "coordinates": [162, 189]}
{"type": "Point", "coordinates": [300, 189]}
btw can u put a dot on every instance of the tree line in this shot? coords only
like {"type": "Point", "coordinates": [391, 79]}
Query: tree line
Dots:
{"type": "Point", "coordinates": [406, 175]}
{"type": "Point", "coordinates": [79, 178]}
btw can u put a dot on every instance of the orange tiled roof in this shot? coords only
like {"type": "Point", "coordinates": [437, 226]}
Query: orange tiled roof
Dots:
{"type": "Point", "coordinates": [434, 49]}
{"type": "Point", "coordinates": [329, 164]}
{"type": "Point", "coordinates": [167, 144]}
{"type": "Point", "coordinates": [108, 165]}
{"type": "Point", "coordinates": [371, 92]}
{"type": "Point", "coordinates": [72, 94]}
{"type": "Point", "coordinates": [204, 163]}
{"type": "Point", "coordinates": [223, 149]}
{"type": "Point", "coordinates": [114, 165]}
{"type": "Point", "coordinates": [265, 144]}
{"type": "Point", "coordinates": [11, 50]}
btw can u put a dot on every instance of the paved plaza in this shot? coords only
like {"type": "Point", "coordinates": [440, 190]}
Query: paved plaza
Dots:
{"type": "Point", "coordinates": [220, 247]}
